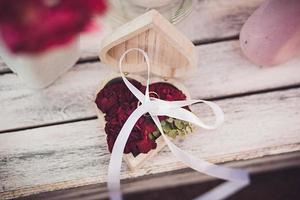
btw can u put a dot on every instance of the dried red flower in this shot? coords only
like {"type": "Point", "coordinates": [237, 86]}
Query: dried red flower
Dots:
{"type": "Point", "coordinates": [168, 92]}
{"type": "Point", "coordinates": [146, 144]}
{"type": "Point", "coordinates": [33, 26]}
{"type": "Point", "coordinates": [116, 93]}
{"type": "Point", "coordinates": [117, 102]}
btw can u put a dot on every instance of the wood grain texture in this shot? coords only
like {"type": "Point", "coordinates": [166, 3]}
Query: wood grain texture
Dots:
{"type": "Point", "coordinates": [170, 53]}
{"type": "Point", "coordinates": [210, 20]}
{"type": "Point", "coordinates": [69, 155]}
{"type": "Point", "coordinates": [216, 19]}
{"type": "Point", "coordinates": [74, 92]}
{"type": "Point", "coordinates": [275, 164]}
{"type": "Point", "coordinates": [222, 71]}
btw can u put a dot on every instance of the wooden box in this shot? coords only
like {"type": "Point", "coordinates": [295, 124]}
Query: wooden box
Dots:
{"type": "Point", "coordinates": [171, 56]}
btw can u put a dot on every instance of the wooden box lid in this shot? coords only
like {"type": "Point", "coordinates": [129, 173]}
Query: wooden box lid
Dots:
{"type": "Point", "coordinates": [171, 54]}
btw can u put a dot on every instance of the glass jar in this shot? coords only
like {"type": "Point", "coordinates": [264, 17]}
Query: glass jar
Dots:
{"type": "Point", "coordinates": [122, 11]}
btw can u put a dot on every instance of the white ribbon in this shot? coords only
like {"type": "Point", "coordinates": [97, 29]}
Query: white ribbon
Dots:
{"type": "Point", "coordinates": [236, 179]}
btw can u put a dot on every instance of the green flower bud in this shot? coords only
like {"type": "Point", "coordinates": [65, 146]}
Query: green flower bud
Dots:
{"type": "Point", "coordinates": [156, 134]}
{"type": "Point", "coordinates": [151, 136]}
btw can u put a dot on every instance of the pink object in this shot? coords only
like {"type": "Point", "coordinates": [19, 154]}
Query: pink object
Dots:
{"type": "Point", "coordinates": [271, 35]}
{"type": "Point", "coordinates": [35, 26]}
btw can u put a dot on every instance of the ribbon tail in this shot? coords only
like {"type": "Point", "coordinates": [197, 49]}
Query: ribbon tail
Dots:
{"type": "Point", "coordinates": [114, 168]}
{"type": "Point", "coordinates": [238, 178]}
{"type": "Point", "coordinates": [222, 191]}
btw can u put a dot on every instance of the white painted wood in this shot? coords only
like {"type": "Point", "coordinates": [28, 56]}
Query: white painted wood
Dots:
{"type": "Point", "coordinates": [217, 19]}
{"type": "Point", "coordinates": [222, 71]}
{"type": "Point", "coordinates": [75, 154]}
{"type": "Point", "coordinates": [163, 181]}
{"type": "Point", "coordinates": [69, 98]}
{"type": "Point", "coordinates": [209, 20]}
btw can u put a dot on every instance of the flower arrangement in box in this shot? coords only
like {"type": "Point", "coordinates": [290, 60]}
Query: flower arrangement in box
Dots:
{"type": "Point", "coordinates": [117, 103]}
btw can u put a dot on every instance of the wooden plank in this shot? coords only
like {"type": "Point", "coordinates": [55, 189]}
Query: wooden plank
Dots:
{"type": "Point", "coordinates": [275, 164]}
{"type": "Point", "coordinates": [71, 97]}
{"type": "Point", "coordinates": [216, 19]}
{"type": "Point", "coordinates": [209, 21]}
{"type": "Point", "coordinates": [222, 71]}
{"type": "Point", "coordinates": [74, 154]}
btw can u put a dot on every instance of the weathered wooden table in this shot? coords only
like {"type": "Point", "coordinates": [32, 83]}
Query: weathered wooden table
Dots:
{"type": "Point", "coordinates": [51, 140]}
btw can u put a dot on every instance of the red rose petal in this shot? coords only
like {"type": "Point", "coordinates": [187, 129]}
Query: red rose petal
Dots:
{"type": "Point", "coordinates": [118, 103]}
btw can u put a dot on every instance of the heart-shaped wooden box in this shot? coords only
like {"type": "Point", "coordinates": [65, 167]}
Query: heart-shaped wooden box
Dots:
{"type": "Point", "coordinates": [171, 56]}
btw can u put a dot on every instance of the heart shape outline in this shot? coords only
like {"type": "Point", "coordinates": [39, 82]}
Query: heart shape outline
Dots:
{"type": "Point", "coordinates": [133, 162]}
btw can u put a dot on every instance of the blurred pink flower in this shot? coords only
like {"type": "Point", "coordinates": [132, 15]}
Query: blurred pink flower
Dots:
{"type": "Point", "coordinates": [33, 26]}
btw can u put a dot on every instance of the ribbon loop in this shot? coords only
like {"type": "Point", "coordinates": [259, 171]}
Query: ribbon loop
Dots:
{"type": "Point", "coordinates": [139, 95]}
{"type": "Point", "coordinates": [237, 179]}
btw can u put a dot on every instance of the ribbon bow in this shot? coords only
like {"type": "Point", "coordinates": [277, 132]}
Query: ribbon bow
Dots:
{"type": "Point", "coordinates": [236, 179]}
